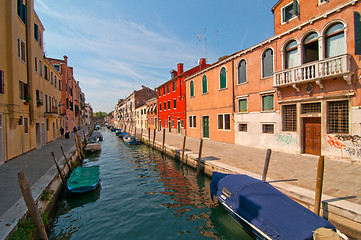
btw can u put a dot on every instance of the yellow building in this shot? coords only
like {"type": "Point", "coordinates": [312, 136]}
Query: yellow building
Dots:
{"type": "Point", "coordinates": [23, 82]}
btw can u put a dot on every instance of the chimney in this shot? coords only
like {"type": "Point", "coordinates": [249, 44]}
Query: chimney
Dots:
{"type": "Point", "coordinates": [65, 59]}
{"type": "Point", "coordinates": [180, 68]}
{"type": "Point", "coordinates": [202, 63]}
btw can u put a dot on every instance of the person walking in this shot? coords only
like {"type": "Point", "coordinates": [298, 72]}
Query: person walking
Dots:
{"type": "Point", "coordinates": [61, 132]}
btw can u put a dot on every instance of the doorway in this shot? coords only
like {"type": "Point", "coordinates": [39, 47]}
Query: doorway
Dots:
{"type": "Point", "coordinates": [38, 135]}
{"type": "Point", "coordinates": [178, 126]}
{"type": "Point", "coordinates": [312, 135]}
{"type": "Point", "coordinates": [205, 121]}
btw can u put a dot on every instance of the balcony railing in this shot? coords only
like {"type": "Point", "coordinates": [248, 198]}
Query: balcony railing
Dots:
{"type": "Point", "coordinates": [52, 111]}
{"type": "Point", "coordinates": [327, 68]}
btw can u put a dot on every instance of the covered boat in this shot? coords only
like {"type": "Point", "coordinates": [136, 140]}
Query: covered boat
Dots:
{"type": "Point", "coordinates": [83, 179]}
{"type": "Point", "coordinates": [97, 135]}
{"type": "Point", "coordinates": [263, 211]}
{"type": "Point", "coordinates": [131, 140]}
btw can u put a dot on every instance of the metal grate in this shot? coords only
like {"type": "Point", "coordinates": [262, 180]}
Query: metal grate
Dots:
{"type": "Point", "coordinates": [289, 114]}
{"type": "Point", "coordinates": [242, 127]}
{"type": "Point", "coordinates": [337, 117]}
{"type": "Point", "coordinates": [311, 108]}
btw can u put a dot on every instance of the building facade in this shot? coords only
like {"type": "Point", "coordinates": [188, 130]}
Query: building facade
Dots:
{"type": "Point", "coordinates": [172, 99]}
{"type": "Point", "coordinates": [152, 113]}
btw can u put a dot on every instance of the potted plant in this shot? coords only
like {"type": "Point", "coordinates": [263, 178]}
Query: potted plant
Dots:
{"type": "Point", "coordinates": [27, 100]}
{"type": "Point", "coordinates": [39, 102]}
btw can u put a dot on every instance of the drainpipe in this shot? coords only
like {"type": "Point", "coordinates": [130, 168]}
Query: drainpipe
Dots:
{"type": "Point", "coordinates": [29, 60]}
{"type": "Point", "coordinates": [233, 87]}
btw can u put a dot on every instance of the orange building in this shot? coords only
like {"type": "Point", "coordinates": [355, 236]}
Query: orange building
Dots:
{"type": "Point", "coordinates": [297, 92]}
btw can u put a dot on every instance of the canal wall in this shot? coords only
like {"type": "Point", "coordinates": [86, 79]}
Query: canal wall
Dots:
{"type": "Point", "coordinates": [345, 215]}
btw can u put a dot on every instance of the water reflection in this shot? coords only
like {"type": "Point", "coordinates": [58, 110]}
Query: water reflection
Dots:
{"type": "Point", "coordinates": [142, 196]}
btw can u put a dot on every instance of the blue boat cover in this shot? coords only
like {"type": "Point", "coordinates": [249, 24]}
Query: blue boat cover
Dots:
{"type": "Point", "coordinates": [268, 209]}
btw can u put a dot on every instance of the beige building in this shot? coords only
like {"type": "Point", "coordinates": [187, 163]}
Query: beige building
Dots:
{"type": "Point", "coordinates": [25, 86]}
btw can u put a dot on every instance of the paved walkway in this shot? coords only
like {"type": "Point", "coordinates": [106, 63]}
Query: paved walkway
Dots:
{"type": "Point", "coordinates": [39, 167]}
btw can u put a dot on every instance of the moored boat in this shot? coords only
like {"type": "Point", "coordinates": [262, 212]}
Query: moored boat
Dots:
{"type": "Point", "coordinates": [265, 212]}
{"type": "Point", "coordinates": [131, 140]}
{"type": "Point", "coordinates": [83, 179]}
{"type": "Point", "coordinates": [97, 135]}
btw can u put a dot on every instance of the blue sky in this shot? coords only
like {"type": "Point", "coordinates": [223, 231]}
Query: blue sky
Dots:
{"type": "Point", "coordinates": [115, 46]}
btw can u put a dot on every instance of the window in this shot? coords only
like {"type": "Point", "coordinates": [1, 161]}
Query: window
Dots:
{"type": "Point", "coordinates": [310, 48]}
{"type": "Point", "coordinates": [46, 73]}
{"type": "Point", "coordinates": [311, 108]}
{"type": "Point", "coordinates": [222, 78]}
{"type": "Point", "coordinates": [36, 32]}
{"type": "Point", "coordinates": [168, 88]}
{"type": "Point", "coordinates": [159, 92]}
{"type": "Point", "coordinates": [21, 49]}
{"type": "Point", "coordinates": [289, 115]}
{"type": "Point", "coordinates": [267, 103]}
{"type": "Point", "coordinates": [26, 125]}
{"type": "Point", "coordinates": [290, 11]}
{"type": "Point", "coordinates": [267, 128]}
{"type": "Point", "coordinates": [22, 11]}
{"type": "Point", "coordinates": [172, 122]}
{"type": "Point", "coordinates": [224, 121]}
{"type": "Point", "coordinates": [192, 121]}
{"type": "Point", "coordinates": [165, 106]}
{"type": "Point", "coordinates": [163, 91]}
{"type": "Point", "coordinates": [168, 104]}
{"type": "Point", "coordinates": [267, 63]}
{"type": "Point", "coordinates": [165, 122]}
{"type": "Point", "coordinates": [51, 77]}
{"type": "Point", "coordinates": [191, 89]}
{"type": "Point", "coordinates": [182, 123]}
{"type": "Point", "coordinates": [2, 82]}
{"type": "Point", "coordinates": [291, 54]}
{"type": "Point", "coordinates": [242, 127]}
{"type": "Point", "coordinates": [23, 90]}
{"type": "Point", "coordinates": [242, 105]}
{"type": "Point", "coordinates": [337, 117]}
{"type": "Point", "coordinates": [160, 107]}
{"type": "Point", "coordinates": [335, 40]}
{"type": "Point", "coordinates": [55, 80]}
{"type": "Point", "coordinates": [204, 84]}
{"type": "Point", "coordinates": [47, 124]}
{"type": "Point", "coordinates": [173, 86]}
{"type": "Point", "coordinates": [242, 72]}
{"type": "Point", "coordinates": [57, 67]}
{"type": "Point", "coordinates": [175, 103]}
{"type": "Point", "coordinates": [322, 1]}
{"type": "Point", "coordinates": [40, 68]}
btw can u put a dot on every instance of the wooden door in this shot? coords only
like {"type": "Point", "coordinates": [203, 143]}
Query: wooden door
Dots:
{"type": "Point", "coordinates": [312, 136]}
{"type": "Point", "coordinates": [206, 126]}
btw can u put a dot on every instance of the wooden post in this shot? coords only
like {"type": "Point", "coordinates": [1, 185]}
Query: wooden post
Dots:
{"type": "Point", "coordinates": [135, 131]}
{"type": "Point", "coordinates": [163, 141]}
{"type": "Point", "coordinates": [66, 160]}
{"type": "Point", "coordinates": [184, 145]}
{"type": "Point", "coordinates": [30, 203]}
{"type": "Point", "coordinates": [59, 170]}
{"type": "Point", "coordinates": [199, 155]}
{"type": "Point", "coordinates": [78, 149]}
{"type": "Point", "coordinates": [80, 146]}
{"type": "Point", "coordinates": [154, 138]}
{"type": "Point", "coordinates": [141, 134]}
{"type": "Point", "coordinates": [148, 136]}
{"type": "Point", "coordinates": [266, 164]}
{"type": "Point", "coordinates": [84, 138]}
{"type": "Point", "coordinates": [319, 183]}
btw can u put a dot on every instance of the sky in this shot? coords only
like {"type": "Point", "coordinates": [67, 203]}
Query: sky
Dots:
{"type": "Point", "coordinates": [116, 46]}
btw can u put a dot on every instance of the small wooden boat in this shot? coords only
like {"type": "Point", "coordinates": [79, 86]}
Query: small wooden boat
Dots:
{"type": "Point", "coordinates": [83, 179]}
{"type": "Point", "coordinates": [265, 212]}
{"type": "Point", "coordinates": [97, 135]}
{"type": "Point", "coordinates": [93, 147]}
{"type": "Point", "coordinates": [131, 140]}
{"type": "Point", "coordinates": [123, 134]}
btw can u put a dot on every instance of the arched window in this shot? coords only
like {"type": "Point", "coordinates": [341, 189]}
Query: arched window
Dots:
{"type": "Point", "coordinates": [335, 40]}
{"type": "Point", "coordinates": [267, 63]}
{"type": "Point", "coordinates": [204, 84]}
{"type": "Point", "coordinates": [191, 89]}
{"type": "Point", "coordinates": [310, 48]}
{"type": "Point", "coordinates": [222, 78]}
{"type": "Point", "coordinates": [291, 54]}
{"type": "Point", "coordinates": [242, 72]}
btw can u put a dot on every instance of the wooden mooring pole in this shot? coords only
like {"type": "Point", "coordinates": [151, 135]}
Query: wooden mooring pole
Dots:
{"type": "Point", "coordinates": [141, 134]}
{"type": "Point", "coordinates": [319, 183]}
{"type": "Point", "coordinates": [163, 141]}
{"type": "Point", "coordinates": [59, 170]}
{"type": "Point", "coordinates": [184, 145]}
{"type": "Point", "coordinates": [266, 164]}
{"type": "Point", "coordinates": [154, 137]}
{"type": "Point", "coordinates": [66, 160]}
{"type": "Point", "coordinates": [199, 155]}
{"type": "Point", "coordinates": [148, 136]}
{"type": "Point", "coordinates": [30, 203]}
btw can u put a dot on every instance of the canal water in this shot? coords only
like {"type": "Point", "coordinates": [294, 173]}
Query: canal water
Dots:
{"type": "Point", "coordinates": [142, 195]}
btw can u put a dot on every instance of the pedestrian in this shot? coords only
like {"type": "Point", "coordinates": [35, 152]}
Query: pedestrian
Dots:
{"type": "Point", "coordinates": [67, 132]}
{"type": "Point", "coordinates": [74, 129]}
{"type": "Point", "coordinates": [62, 132]}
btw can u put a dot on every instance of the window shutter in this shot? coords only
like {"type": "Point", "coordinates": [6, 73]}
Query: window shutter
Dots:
{"type": "Point", "coordinates": [357, 21]}
{"type": "Point", "coordinates": [2, 82]}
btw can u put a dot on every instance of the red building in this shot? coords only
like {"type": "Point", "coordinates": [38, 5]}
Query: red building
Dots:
{"type": "Point", "coordinates": [171, 99]}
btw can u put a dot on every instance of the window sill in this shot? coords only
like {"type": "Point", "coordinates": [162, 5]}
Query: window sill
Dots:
{"type": "Point", "coordinates": [221, 89]}
{"type": "Point", "coordinates": [240, 84]}
{"type": "Point", "coordinates": [206, 93]}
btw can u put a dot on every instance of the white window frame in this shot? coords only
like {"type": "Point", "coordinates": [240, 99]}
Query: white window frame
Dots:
{"type": "Point", "coordinates": [193, 123]}
{"type": "Point", "coordinates": [282, 12]}
{"type": "Point", "coordinates": [224, 122]}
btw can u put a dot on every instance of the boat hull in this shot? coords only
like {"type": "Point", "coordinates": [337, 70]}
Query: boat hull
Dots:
{"type": "Point", "coordinates": [83, 179]}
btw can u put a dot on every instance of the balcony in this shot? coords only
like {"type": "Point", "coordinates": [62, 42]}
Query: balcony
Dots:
{"type": "Point", "coordinates": [315, 72]}
{"type": "Point", "coordinates": [52, 112]}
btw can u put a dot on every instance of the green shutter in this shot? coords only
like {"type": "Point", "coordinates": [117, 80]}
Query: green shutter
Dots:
{"type": "Point", "coordinates": [223, 78]}
{"type": "Point", "coordinates": [267, 103]}
{"type": "Point", "coordinates": [204, 84]}
{"type": "Point", "coordinates": [242, 104]}
{"type": "Point", "coordinates": [357, 21]}
{"type": "Point", "coordinates": [191, 89]}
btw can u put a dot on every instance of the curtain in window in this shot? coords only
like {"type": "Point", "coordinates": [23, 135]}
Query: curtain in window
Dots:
{"type": "Point", "coordinates": [204, 84]}
{"type": "Point", "coordinates": [242, 72]}
{"type": "Point", "coordinates": [220, 121]}
{"type": "Point", "coordinates": [335, 41]}
{"type": "Point", "coordinates": [291, 54]}
{"type": "Point", "coordinates": [223, 78]}
{"type": "Point", "coordinates": [267, 103]}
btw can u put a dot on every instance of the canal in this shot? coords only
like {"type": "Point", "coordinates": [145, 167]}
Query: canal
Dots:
{"type": "Point", "coordinates": [142, 195]}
